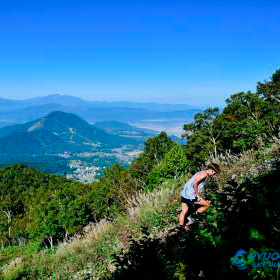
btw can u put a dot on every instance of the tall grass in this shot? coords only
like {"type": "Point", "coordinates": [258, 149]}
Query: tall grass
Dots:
{"type": "Point", "coordinates": [89, 255]}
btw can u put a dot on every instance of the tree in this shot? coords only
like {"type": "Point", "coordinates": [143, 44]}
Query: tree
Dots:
{"type": "Point", "coordinates": [203, 135]}
{"type": "Point", "coordinates": [246, 121]}
{"type": "Point", "coordinates": [270, 90]}
{"type": "Point", "coordinates": [154, 151]}
{"type": "Point", "coordinates": [173, 165]}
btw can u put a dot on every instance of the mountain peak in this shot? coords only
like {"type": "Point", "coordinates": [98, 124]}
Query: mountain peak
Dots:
{"type": "Point", "coordinates": [60, 114]}
{"type": "Point", "coordinates": [59, 118]}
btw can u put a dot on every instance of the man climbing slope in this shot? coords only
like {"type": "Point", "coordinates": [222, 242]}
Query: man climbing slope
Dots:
{"type": "Point", "coordinates": [190, 193]}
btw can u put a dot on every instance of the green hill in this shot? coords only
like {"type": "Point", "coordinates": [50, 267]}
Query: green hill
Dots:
{"type": "Point", "coordinates": [51, 143]}
{"type": "Point", "coordinates": [57, 132]}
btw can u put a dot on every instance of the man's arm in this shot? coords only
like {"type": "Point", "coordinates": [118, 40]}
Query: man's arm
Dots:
{"type": "Point", "coordinates": [197, 181]}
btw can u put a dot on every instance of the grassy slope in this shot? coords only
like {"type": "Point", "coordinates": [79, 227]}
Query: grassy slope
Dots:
{"type": "Point", "coordinates": [91, 255]}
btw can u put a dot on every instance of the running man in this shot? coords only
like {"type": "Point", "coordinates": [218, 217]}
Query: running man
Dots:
{"type": "Point", "coordinates": [191, 190]}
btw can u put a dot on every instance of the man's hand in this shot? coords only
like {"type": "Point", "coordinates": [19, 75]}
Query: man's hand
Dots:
{"type": "Point", "coordinates": [199, 198]}
{"type": "Point", "coordinates": [202, 201]}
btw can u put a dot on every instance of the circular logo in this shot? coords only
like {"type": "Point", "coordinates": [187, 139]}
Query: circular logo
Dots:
{"type": "Point", "coordinates": [238, 259]}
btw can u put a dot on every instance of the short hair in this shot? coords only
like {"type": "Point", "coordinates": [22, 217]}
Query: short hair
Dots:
{"type": "Point", "coordinates": [214, 166]}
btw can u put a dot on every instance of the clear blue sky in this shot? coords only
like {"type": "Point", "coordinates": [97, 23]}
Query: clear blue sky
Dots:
{"type": "Point", "coordinates": [194, 52]}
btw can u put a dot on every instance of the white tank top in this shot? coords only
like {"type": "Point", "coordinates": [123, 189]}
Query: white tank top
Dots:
{"type": "Point", "coordinates": [188, 188]}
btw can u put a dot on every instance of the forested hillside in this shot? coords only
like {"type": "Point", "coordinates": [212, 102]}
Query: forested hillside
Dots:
{"type": "Point", "coordinates": [64, 144]}
{"type": "Point", "coordinates": [125, 225]}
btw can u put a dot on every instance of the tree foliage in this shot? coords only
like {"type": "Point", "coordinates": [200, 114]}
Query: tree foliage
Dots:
{"type": "Point", "coordinates": [173, 165]}
{"type": "Point", "coordinates": [249, 120]}
{"type": "Point", "coordinates": [270, 90]}
{"type": "Point", "coordinates": [154, 151]}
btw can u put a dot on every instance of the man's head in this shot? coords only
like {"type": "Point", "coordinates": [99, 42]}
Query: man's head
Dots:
{"type": "Point", "coordinates": [213, 168]}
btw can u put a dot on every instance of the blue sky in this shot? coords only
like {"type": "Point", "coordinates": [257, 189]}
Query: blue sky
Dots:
{"type": "Point", "coordinates": [193, 52]}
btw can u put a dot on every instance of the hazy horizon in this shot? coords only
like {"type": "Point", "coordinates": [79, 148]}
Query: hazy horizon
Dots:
{"type": "Point", "coordinates": [94, 100]}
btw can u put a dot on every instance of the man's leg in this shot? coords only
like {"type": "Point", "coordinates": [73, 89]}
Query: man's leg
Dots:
{"type": "Point", "coordinates": [204, 205]}
{"type": "Point", "coordinates": [183, 213]}
{"type": "Point", "coordinates": [201, 210]}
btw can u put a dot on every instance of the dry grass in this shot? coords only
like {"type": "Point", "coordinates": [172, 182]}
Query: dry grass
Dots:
{"type": "Point", "coordinates": [90, 254]}
{"type": "Point", "coordinates": [250, 163]}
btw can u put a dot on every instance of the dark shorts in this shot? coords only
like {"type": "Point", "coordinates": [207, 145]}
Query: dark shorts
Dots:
{"type": "Point", "coordinates": [189, 202]}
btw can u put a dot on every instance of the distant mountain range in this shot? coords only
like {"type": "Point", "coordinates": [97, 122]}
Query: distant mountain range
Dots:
{"type": "Point", "coordinates": [20, 111]}
{"type": "Point", "coordinates": [66, 100]}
